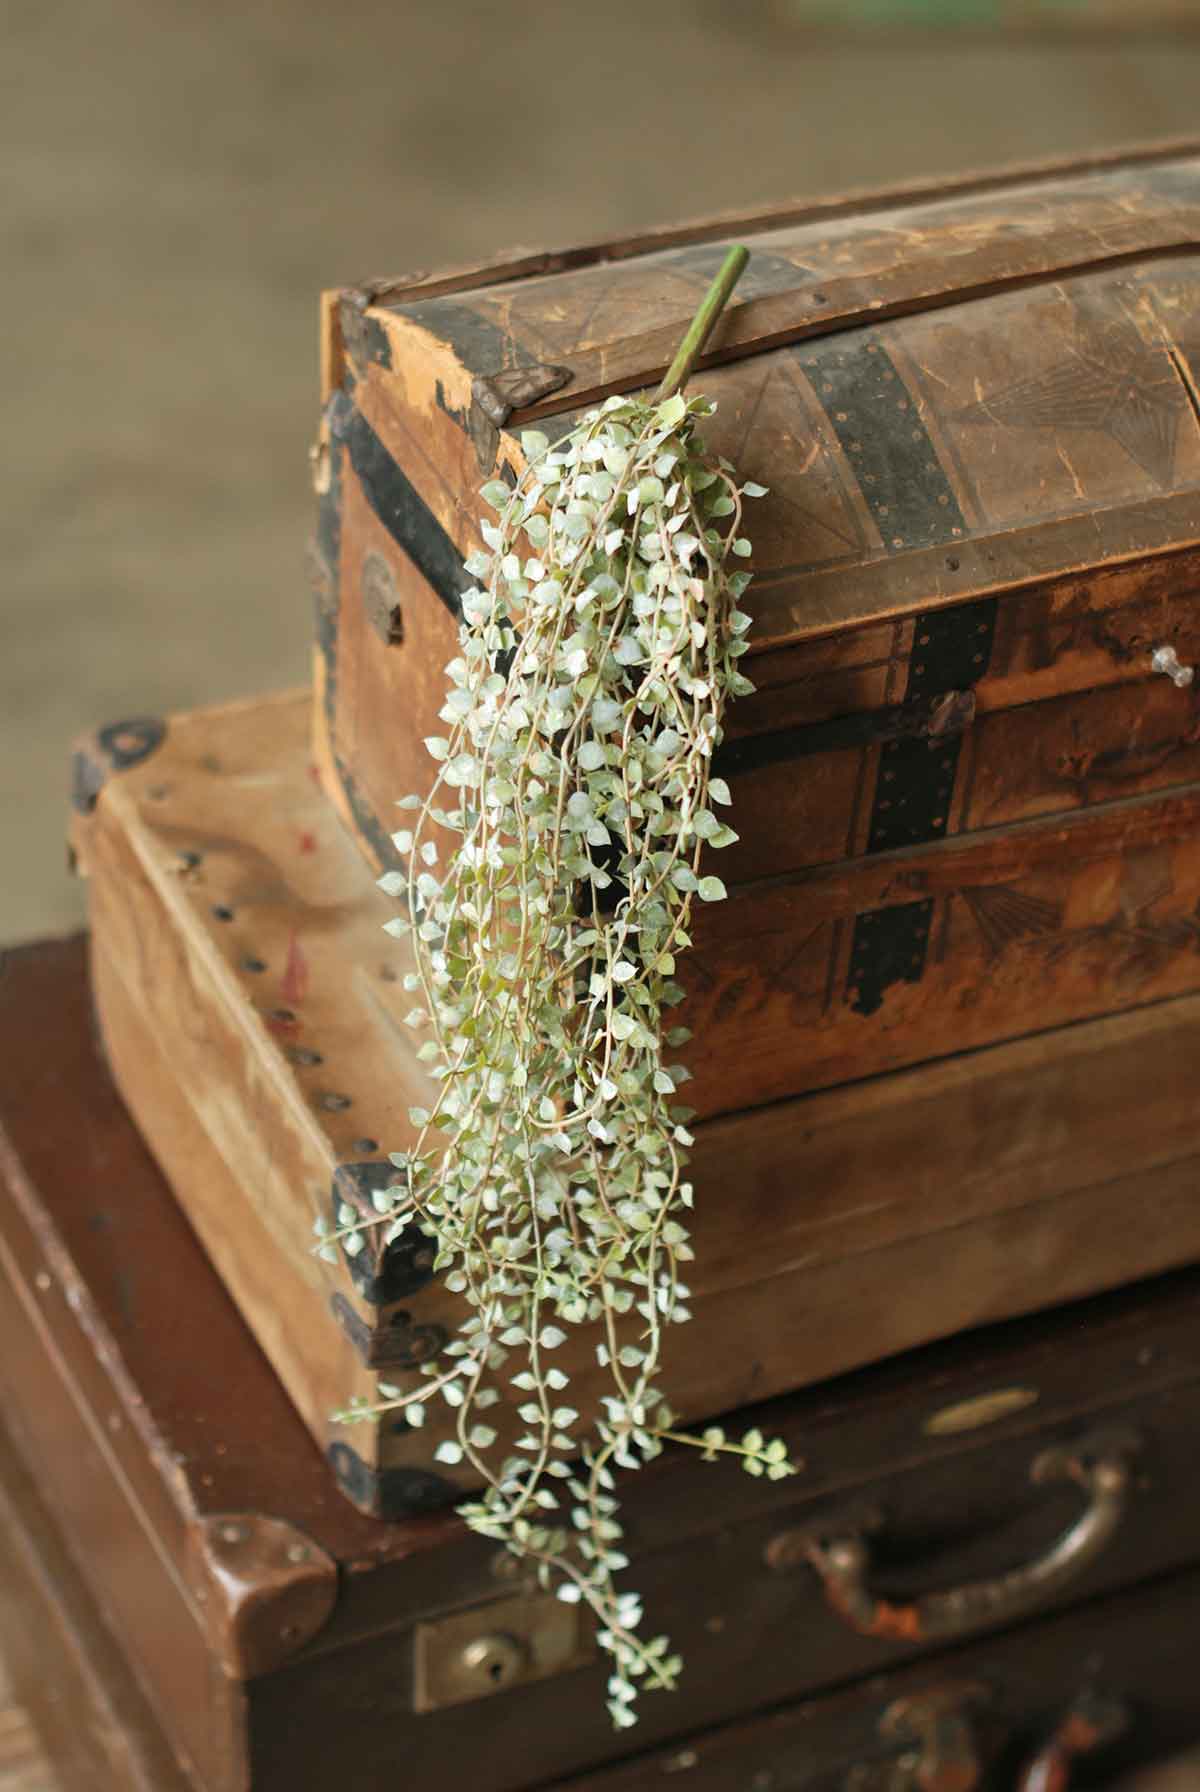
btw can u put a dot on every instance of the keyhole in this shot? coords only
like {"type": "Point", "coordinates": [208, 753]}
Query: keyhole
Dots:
{"type": "Point", "coordinates": [497, 1659]}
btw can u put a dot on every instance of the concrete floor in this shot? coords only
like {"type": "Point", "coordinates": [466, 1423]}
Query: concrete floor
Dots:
{"type": "Point", "coordinates": [179, 181]}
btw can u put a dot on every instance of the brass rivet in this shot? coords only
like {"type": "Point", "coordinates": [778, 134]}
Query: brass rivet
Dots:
{"type": "Point", "coordinates": [680, 1763]}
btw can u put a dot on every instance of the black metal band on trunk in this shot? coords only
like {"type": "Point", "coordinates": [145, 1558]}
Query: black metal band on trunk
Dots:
{"type": "Point", "coordinates": [883, 437]}
{"type": "Point", "coordinates": [398, 505]}
{"type": "Point", "coordinates": [327, 561]}
{"type": "Point", "coordinates": [381, 1273]}
{"type": "Point", "coordinates": [950, 650]}
{"type": "Point", "coordinates": [390, 1493]}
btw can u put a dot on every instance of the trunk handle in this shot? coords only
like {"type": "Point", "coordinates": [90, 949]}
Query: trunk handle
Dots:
{"type": "Point", "coordinates": [843, 1560]}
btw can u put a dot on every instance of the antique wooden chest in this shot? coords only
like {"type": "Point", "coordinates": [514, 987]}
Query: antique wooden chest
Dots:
{"type": "Point", "coordinates": [251, 1009]}
{"type": "Point", "coordinates": [967, 792]}
{"type": "Point", "coordinates": [1024, 1492]}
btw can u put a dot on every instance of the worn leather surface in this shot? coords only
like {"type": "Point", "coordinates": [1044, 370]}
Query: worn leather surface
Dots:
{"type": "Point", "coordinates": [153, 1423]}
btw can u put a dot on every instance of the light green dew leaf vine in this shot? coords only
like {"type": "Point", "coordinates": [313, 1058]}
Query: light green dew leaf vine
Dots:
{"type": "Point", "coordinates": [600, 645]}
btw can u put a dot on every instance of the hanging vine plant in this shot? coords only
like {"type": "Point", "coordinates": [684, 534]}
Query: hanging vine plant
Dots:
{"type": "Point", "coordinates": [599, 650]}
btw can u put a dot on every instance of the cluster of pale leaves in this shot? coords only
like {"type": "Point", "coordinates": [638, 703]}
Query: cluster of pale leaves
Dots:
{"type": "Point", "coordinates": [551, 875]}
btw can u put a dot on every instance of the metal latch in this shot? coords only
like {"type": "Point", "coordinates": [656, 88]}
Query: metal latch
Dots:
{"type": "Point", "coordinates": [509, 1642]}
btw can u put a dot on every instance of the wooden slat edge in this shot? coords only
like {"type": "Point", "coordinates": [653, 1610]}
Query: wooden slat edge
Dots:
{"type": "Point", "coordinates": [935, 868]}
{"type": "Point", "coordinates": [199, 941]}
{"type": "Point", "coordinates": [520, 263]}
{"type": "Point", "coordinates": [758, 325]}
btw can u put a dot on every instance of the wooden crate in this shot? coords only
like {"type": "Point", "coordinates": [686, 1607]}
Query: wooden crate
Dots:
{"type": "Point", "coordinates": [250, 1006]}
{"type": "Point", "coordinates": [275, 1632]}
{"type": "Point", "coordinates": [967, 803]}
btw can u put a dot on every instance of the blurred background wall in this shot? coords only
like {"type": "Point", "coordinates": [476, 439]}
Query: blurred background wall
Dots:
{"type": "Point", "coordinates": [181, 179]}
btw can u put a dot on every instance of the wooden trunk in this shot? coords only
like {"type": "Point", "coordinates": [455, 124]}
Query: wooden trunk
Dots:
{"type": "Point", "coordinates": [284, 1642]}
{"type": "Point", "coordinates": [966, 800]}
{"type": "Point", "coordinates": [250, 1007]}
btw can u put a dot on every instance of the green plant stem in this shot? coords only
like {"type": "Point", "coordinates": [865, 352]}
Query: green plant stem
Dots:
{"type": "Point", "coordinates": [559, 1194]}
{"type": "Point", "coordinates": [701, 326]}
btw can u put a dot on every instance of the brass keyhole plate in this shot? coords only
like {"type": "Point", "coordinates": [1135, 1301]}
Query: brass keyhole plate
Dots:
{"type": "Point", "coordinates": [479, 1653]}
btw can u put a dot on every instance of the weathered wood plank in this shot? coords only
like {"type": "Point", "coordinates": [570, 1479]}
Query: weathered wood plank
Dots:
{"type": "Point", "coordinates": [232, 918]}
{"type": "Point", "coordinates": [516, 264]}
{"type": "Point", "coordinates": [908, 955]}
{"type": "Point", "coordinates": [622, 322]}
{"type": "Point", "coordinates": [1025, 466]}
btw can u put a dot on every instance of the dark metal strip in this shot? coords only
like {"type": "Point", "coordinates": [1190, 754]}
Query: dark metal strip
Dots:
{"type": "Point", "coordinates": [913, 505]}
{"type": "Point", "coordinates": [390, 1492]}
{"type": "Point", "coordinates": [950, 651]}
{"type": "Point", "coordinates": [929, 718]}
{"type": "Point", "coordinates": [890, 945]}
{"type": "Point", "coordinates": [393, 1342]}
{"type": "Point", "coordinates": [951, 648]}
{"type": "Point", "coordinates": [912, 793]}
{"type": "Point", "coordinates": [398, 504]}
{"type": "Point", "coordinates": [327, 556]}
{"type": "Point", "coordinates": [395, 1270]}
{"type": "Point", "coordinates": [880, 432]}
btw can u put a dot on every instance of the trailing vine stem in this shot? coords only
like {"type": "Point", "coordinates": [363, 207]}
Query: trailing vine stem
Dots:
{"type": "Point", "coordinates": [574, 797]}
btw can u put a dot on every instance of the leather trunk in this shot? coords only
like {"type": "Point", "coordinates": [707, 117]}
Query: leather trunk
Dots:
{"type": "Point", "coordinates": [283, 1640]}
{"type": "Point", "coordinates": [1112, 1682]}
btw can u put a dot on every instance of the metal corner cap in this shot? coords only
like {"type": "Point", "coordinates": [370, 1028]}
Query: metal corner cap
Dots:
{"type": "Point", "coordinates": [264, 1589]}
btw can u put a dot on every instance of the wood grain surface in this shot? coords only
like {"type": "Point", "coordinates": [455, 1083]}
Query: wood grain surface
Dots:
{"type": "Point", "coordinates": [234, 921]}
{"type": "Point", "coordinates": [966, 799]}
{"type": "Point", "coordinates": [982, 399]}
